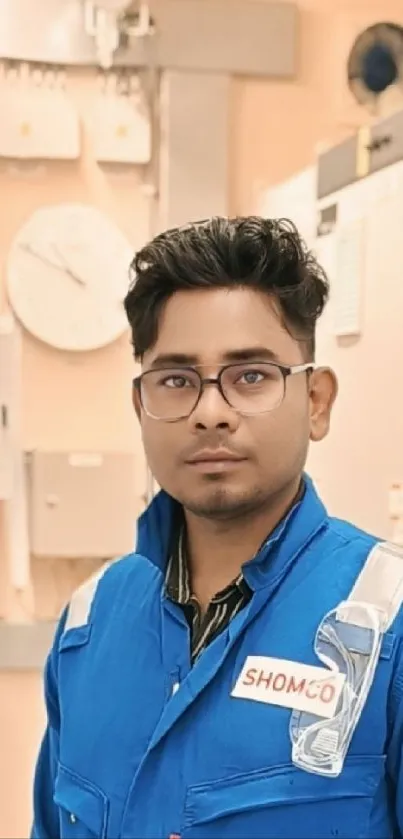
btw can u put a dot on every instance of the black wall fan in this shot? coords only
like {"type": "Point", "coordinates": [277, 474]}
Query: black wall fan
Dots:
{"type": "Point", "coordinates": [375, 62]}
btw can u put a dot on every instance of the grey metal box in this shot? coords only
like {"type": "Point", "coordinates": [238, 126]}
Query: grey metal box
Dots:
{"type": "Point", "coordinates": [81, 504]}
{"type": "Point", "coordinates": [337, 167]}
{"type": "Point", "coordinates": [386, 143]}
{"type": "Point", "coordinates": [25, 646]}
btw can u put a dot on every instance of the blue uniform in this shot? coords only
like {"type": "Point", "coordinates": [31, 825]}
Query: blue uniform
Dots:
{"type": "Point", "coordinates": [140, 745]}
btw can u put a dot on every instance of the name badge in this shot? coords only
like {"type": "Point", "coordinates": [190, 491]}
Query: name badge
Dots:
{"type": "Point", "coordinates": [289, 684]}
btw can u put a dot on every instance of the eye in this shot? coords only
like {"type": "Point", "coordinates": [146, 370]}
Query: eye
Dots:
{"type": "Point", "coordinates": [176, 382]}
{"type": "Point", "coordinates": [251, 377]}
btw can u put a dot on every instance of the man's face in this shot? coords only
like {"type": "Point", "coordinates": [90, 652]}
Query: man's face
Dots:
{"type": "Point", "coordinates": [205, 327]}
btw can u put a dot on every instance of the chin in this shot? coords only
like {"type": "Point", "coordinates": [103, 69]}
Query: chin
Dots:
{"type": "Point", "coordinates": [222, 502]}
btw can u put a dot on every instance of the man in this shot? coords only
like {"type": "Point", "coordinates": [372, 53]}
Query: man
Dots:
{"type": "Point", "coordinates": [215, 683]}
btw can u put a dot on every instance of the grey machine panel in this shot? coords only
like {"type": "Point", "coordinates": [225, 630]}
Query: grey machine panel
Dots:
{"type": "Point", "coordinates": [337, 167]}
{"type": "Point", "coordinates": [82, 505]}
{"type": "Point", "coordinates": [25, 646]}
{"type": "Point", "coordinates": [386, 143]}
{"type": "Point", "coordinates": [252, 38]}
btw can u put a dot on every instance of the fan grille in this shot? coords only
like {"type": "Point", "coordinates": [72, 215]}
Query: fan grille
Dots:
{"type": "Point", "coordinates": [376, 61]}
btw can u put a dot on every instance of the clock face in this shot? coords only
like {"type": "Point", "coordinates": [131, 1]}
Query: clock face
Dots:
{"type": "Point", "coordinates": [67, 276]}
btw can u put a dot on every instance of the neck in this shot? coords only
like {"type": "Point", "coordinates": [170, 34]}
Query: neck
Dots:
{"type": "Point", "coordinates": [217, 549]}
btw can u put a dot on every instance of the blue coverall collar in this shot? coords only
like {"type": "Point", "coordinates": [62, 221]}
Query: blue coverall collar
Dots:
{"type": "Point", "coordinates": [291, 534]}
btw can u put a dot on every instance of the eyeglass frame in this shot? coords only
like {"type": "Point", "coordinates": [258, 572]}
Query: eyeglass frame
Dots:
{"type": "Point", "coordinates": [285, 369]}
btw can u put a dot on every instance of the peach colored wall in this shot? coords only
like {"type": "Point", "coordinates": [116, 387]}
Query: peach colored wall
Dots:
{"type": "Point", "coordinates": [81, 403]}
{"type": "Point", "coordinates": [85, 402]}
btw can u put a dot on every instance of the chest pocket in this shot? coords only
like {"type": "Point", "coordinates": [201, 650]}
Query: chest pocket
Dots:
{"type": "Point", "coordinates": [83, 808]}
{"type": "Point", "coordinates": [285, 802]}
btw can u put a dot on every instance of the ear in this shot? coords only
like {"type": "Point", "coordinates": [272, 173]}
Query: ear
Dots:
{"type": "Point", "coordinates": [323, 389]}
{"type": "Point", "coordinates": [136, 401]}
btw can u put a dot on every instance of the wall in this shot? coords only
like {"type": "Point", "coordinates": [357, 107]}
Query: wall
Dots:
{"type": "Point", "coordinates": [365, 438]}
{"type": "Point", "coordinates": [275, 128]}
{"type": "Point", "coordinates": [83, 403]}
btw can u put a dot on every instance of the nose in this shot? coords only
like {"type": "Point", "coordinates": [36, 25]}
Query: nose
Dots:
{"type": "Point", "coordinates": [213, 411]}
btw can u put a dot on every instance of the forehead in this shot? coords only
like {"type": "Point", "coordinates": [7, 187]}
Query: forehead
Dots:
{"type": "Point", "coordinates": [209, 324]}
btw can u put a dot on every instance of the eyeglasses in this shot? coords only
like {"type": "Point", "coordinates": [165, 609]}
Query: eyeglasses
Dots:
{"type": "Point", "coordinates": [250, 388]}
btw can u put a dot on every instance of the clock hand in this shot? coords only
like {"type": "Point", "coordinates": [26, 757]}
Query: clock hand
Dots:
{"type": "Point", "coordinates": [45, 259]}
{"type": "Point", "coordinates": [67, 268]}
{"type": "Point", "coordinates": [40, 256]}
{"type": "Point", "coordinates": [62, 266]}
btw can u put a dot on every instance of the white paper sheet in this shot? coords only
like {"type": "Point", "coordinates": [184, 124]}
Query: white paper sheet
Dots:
{"type": "Point", "coordinates": [348, 280]}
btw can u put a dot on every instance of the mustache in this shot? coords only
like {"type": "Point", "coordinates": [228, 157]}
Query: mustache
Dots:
{"type": "Point", "coordinates": [213, 443]}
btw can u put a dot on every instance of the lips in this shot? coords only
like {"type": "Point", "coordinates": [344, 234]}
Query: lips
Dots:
{"type": "Point", "coordinates": [216, 456]}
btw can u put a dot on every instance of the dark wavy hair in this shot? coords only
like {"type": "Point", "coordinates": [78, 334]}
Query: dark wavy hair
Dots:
{"type": "Point", "coordinates": [250, 252]}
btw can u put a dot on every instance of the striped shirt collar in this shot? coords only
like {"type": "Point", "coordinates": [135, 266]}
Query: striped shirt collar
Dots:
{"type": "Point", "coordinates": [177, 577]}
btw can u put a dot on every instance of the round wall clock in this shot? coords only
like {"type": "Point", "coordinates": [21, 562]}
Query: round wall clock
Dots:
{"type": "Point", "coordinates": [67, 275]}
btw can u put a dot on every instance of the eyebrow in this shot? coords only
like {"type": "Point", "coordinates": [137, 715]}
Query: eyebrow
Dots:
{"type": "Point", "coordinates": [231, 356]}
